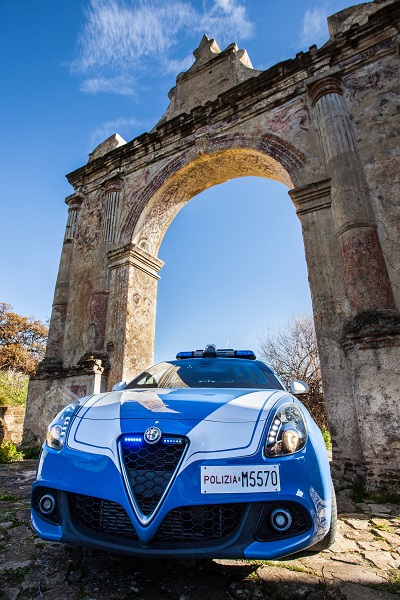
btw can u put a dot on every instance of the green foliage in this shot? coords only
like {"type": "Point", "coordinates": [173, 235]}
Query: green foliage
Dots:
{"type": "Point", "coordinates": [9, 453]}
{"type": "Point", "coordinates": [384, 495]}
{"type": "Point", "coordinates": [358, 492]}
{"type": "Point", "coordinates": [327, 438]}
{"type": "Point", "coordinates": [13, 387]}
{"type": "Point", "coordinates": [4, 497]}
{"type": "Point", "coordinates": [14, 576]}
{"type": "Point", "coordinates": [32, 453]}
{"type": "Point", "coordinates": [393, 585]}
{"type": "Point", "coordinates": [381, 495]}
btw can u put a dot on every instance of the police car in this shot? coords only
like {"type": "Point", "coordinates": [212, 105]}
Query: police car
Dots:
{"type": "Point", "coordinates": [205, 456]}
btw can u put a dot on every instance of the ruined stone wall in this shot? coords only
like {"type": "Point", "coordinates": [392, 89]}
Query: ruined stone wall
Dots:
{"type": "Point", "coordinates": [11, 423]}
{"type": "Point", "coordinates": [325, 124]}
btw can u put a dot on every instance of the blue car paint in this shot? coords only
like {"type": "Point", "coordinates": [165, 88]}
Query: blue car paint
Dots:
{"type": "Point", "coordinates": [98, 476]}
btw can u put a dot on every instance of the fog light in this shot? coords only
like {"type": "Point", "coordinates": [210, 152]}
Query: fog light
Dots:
{"type": "Point", "coordinates": [281, 519]}
{"type": "Point", "coordinates": [47, 504]}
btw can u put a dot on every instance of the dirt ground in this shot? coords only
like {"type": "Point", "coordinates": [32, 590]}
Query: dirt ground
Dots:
{"type": "Point", "coordinates": [363, 564]}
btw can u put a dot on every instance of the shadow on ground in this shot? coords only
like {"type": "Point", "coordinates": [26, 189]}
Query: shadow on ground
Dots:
{"type": "Point", "coordinates": [362, 565]}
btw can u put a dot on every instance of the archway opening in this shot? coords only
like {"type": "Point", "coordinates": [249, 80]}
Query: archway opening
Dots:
{"type": "Point", "coordinates": [234, 267]}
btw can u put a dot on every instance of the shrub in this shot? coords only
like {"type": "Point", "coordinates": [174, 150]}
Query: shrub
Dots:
{"type": "Point", "coordinates": [9, 453]}
{"type": "Point", "coordinates": [13, 387]}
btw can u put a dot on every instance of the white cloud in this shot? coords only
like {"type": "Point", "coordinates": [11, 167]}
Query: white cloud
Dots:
{"type": "Point", "coordinates": [226, 21]}
{"type": "Point", "coordinates": [127, 128]}
{"type": "Point", "coordinates": [123, 36]}
{"type": "Point", "coordinates": [314, 27]}
{"type": "Point", "coordinates": [115, 85]}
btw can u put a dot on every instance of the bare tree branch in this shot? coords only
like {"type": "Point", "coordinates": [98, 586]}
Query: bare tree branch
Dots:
{"type": "Point", "coordinates": [292, 352]}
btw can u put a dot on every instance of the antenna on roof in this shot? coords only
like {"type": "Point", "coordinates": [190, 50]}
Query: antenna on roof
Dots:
{"type": "Point", "coordinates": [227, 341]}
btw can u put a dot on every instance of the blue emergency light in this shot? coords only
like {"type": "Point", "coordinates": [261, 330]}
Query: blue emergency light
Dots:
{"type": "Point", "coordinates": [211, 351]}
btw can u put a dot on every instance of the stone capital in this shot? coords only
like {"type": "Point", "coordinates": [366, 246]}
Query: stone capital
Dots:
{"type": "Point", "coordinates": [312, 197]}
{"type": "Point", "coordinates": [74, 202]}
{"type": "Point", "coordinates": [113, 184]}
{"type": "Point", "coordinates": [132, 255]}
{"type": "Point", "coordinates": [327, 82]}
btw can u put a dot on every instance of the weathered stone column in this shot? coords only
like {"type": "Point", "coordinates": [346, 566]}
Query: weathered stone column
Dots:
{"type": "Point", "coordinates": [330, 309]}
{"type": "Point", "coordinates": [371, 339]}
{"type": "Point", "coordinates": [55, 386]}
{"type": "Point", "coordinates": [60, 302]}
{"type": "Point", "coordinates": [100, 292]}
{"type": "Point", "coordinates": [364, 267]}
{"type": "Point", "coordinates": [132, 311]}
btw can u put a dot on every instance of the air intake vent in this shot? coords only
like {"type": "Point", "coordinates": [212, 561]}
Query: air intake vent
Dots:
{"type": "Point", "coordinates": [101, 516]}
{"type": "Point", "coordinates": [150, 469]}
{"type": "Point", "coordinates": [200, 523]}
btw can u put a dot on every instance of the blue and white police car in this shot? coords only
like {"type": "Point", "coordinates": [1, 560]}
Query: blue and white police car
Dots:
{"type": "Point", "coordinates": [205, 456]}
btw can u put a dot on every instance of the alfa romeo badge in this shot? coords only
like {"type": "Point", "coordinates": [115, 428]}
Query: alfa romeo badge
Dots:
{"type": "Point", "coordinates": [152, 435]}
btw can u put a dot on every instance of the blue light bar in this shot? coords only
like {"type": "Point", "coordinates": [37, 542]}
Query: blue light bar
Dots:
{"type": "Point", "coordinates": [212, 352]}
{"type": "Point", "coordinates": [245, 354]}
{"type": "Point", "coordinates": [181, 355]}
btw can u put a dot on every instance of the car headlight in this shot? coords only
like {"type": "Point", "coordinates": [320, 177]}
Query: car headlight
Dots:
{"type": "Point", "coordinates": [287, 433]}
{"type": "Point", "coordinates": [58, 428]}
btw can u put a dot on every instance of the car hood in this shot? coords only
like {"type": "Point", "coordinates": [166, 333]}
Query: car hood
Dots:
{"type": "Point", "coordinates": [201, 404]}
{"type": "Point", "coordinates": [219, 423]}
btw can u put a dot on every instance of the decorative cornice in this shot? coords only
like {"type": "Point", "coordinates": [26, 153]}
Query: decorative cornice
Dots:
{"type": "Point", "coordinates": [312, 197]}
{"type": "Point", "coordinates": [131, 254]}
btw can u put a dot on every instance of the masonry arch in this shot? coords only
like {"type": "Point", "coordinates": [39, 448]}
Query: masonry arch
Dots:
{"type": "Point", "coordinates": [307, 122]}
{"type": "Point", "coordinates": [195, 171]}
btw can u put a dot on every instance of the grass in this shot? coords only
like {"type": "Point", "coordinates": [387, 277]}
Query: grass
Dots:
{"type": "Point", "coordinates": [8, 498]}
{"type": "Point", "coordinates": [327, 438]}
{"type": "Point", "coordinates": [13, 387]}
{"type": "Point", "coordinates": [287, 566]}
{"type": "Point", "coordinates": [393, 584]}
{"type": "Point", "coordinates": [382, 527]}
{"type": "Point", "coordinates": [14, 576]}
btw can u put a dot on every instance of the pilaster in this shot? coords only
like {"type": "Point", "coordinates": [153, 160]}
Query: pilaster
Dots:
{"type": "Point", "coordinates": [132, 310]}
{"type": "Point", "coordinates": [330, 309]}
{"type": "Point", "coordinates": [363, 264]}
{"type": "Point", "coordinates": [112, 198]}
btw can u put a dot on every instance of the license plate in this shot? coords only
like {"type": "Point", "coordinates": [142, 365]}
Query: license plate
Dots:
{"type": "Point", "coordinates": [240, 480]}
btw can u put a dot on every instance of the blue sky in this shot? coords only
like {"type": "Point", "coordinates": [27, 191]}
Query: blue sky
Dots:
{"type": "Point", "coordinates": [73, 73]}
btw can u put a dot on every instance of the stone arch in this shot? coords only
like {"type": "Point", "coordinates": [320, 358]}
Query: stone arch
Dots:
{"type": "Point", "coordinates": [193, 172]}
{"type": "Point", "coordinates": [307, 122]}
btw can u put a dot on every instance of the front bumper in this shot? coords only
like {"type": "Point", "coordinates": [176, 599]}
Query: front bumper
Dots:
{"type": "Point", "coordinates": [95, 509]}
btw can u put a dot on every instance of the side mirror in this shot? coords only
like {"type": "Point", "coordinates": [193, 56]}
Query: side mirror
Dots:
{"type": "Point", "coordinates": [298, 387]}
{"type": "Point", "coordinates": [121, 385]}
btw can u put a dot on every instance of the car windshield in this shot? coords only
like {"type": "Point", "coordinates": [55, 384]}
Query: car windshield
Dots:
{"type": "Point", "coordinates": [209, 373]}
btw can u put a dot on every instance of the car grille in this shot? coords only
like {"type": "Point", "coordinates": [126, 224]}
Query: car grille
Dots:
{"type": "Point", "coordinates": [200, 523]}
{"type": "Point", "coordinates": [150, 468]}
{"type": "Point", "coordinates": [183, 524]}
{"type": "Point", "coordinates": [102, 516]}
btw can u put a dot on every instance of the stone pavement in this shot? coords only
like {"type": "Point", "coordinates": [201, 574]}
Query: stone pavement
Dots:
{"type": "Point", "coordinates": [363, 564]}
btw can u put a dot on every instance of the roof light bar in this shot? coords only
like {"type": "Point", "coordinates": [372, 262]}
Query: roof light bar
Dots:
{"type": "Point", "coordinates": [211, 351]}
{"type": "Point", "coordinates": [181, 355]}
